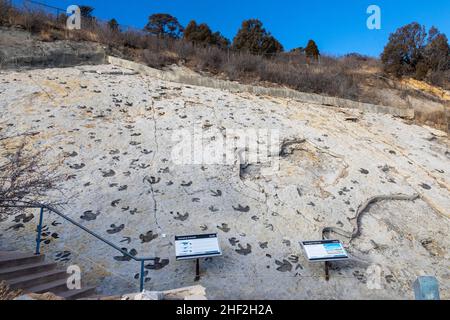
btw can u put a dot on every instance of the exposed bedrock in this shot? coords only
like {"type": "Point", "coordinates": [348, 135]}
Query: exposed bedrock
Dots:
{"type": "Point", "coordinates": [113, 134]}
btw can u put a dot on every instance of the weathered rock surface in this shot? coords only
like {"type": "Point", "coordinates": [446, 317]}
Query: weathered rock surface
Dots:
{"type": "Point", "coordinates": [113, 133]}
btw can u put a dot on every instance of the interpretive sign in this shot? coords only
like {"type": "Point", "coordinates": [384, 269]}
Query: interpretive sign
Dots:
{"type": "Point", "coordinates": [197, 246]}
{"type": "Point", "coordinates": [324, 250]}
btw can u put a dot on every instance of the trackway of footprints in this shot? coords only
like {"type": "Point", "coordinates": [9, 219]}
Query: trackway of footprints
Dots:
{"type": "Point", "coordinates": [113, 135]}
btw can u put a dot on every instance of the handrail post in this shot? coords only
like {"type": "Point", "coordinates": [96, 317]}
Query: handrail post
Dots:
{"type": "Point", "coordinates": [141, 286]}
{"type": "Point", "coordinates": [39, 231]}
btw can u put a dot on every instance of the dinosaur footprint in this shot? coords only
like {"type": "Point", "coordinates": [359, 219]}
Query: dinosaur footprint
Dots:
{"type": "Point", "coordinates": [240, 208]}
{"type": "Point", "coordinates": [224, 228]}
{"type": "Point", "coordinates": [123, 258]}
{"type": "Point", "coordinates": [158, 264]}
{"type": "Point", "coordinates": [182, 217]}
{"type": "Point", "coordinates": [284, 266]}
{"type": "Point", "coordinates": [244, 251]}
{"type": "Point", "coordinates": [89, 215]}
{"type": "Point", "coordinates": [148, 237]}
{"type": "Point", "coordinates": [115, 229]}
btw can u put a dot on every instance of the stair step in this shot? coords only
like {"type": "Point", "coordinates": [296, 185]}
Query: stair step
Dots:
{"type": "Point", "coordinates": [5, 253]}
{"type": "Point", "coordinates": [77, 294]}
{"type": "Point", "coordinates": [30, 273]}
{"type": "Point", "coordinates": [14, 259]}
{"type": "Point", "coordinates": [54, 287]}
{"type": "Point", "coordinates": [36, 279]}
{"type": "Point", "coordinates": [22, 270]}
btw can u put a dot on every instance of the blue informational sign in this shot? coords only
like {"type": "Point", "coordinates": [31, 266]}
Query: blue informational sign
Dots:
{"type": "Point", "coordinates": [325, 250]}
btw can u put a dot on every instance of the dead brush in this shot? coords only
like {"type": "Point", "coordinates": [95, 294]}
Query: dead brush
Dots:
{"type": "Point", "coordinates": [24, 175]}
{"type": "Point", "coordinates": [7, 294]}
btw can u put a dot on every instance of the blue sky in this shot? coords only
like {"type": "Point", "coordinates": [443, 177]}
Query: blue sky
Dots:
{"type": "Point", "coordinates": [338, 27]}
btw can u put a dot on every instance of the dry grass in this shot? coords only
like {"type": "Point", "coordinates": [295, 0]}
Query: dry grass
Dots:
{"type": "Point", "coordinates": [427, 88]}
{"type": "Point", "coordinates": [331, 77]}
{"type": "Point", "coordinates": [438, 119]}
{"type": "Point", "coordinates": [353, 76]}
{"type": "Point", "coordinates": [6, 293]}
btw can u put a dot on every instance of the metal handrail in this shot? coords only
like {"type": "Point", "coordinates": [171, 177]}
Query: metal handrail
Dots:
{"type": "Point", "coordinates": [42, 207]}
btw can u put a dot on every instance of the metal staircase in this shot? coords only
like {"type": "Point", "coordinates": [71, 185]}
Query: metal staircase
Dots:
{"type": "Point", "coordinates": [32, 274]}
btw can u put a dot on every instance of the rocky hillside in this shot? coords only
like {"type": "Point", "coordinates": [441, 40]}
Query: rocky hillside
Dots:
{"type": "Point", "coordinates": [365, 79]}
{"type": "Point", "coordinates": [20, 49]}
{"type": "Point", "coordinates": [116, 135]}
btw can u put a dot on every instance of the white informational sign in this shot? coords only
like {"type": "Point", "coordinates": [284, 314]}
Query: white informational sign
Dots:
{"type": "Point", "coordinates": [326, 250]}
{"type": "Point", "coordinates": [197, 246]}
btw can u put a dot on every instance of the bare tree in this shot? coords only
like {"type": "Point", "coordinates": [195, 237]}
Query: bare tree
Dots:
{"type": "Point", "coordinates": [25, 176]}
{"type": "Point", "coordinates": [8, 294]}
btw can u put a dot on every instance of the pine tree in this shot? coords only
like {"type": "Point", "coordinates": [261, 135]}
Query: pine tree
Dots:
{"type": "Point", "coordinates": [253, 38]}
{"type": "Point", "coordinates": [86, 11]}
{"type": "Point", "coordinates": [202, 35]}
{"type": "Point", "coordinates": [164, 25]}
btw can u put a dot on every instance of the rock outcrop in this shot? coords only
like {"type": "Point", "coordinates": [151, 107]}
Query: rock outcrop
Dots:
{"type": "Point", "coordinates": [118, 137]}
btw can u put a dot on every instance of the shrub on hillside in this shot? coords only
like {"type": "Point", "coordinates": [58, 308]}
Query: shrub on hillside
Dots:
{"type": "Point", "coordinates": [211, 59]}
{"type": "Point", "coordinates": [333, 80]}
{"type": "Point", "coordinates": [5, 8]}
{"type": "Point", "coordinates": [158, 59]}
{"type": "Point", "coordinates": [242, 65]}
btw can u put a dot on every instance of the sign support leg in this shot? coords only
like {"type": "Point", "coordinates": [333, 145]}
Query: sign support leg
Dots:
{"type": "Point", "coordinates": [327, 271]}
{"type": "Point", "coordinates": [197, 270]}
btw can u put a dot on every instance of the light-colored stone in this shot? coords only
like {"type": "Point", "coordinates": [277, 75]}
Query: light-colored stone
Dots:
{"type": "Point", "coordinates": [149, 295]}
{"type": "Point", "coordinates": [113, 132]}
{"type": "Point", "coordinates": [195, 298]}
{"type": "Point", "coordinates": [198, 80]}
{"type": "Point", "coordinates": [35, 296]}
{"type": "Point", "coordinates": [183, 293]}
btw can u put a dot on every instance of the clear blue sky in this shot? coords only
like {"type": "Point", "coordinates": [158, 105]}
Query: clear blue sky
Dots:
{"type": "Point", "coordinates": [338, 27]}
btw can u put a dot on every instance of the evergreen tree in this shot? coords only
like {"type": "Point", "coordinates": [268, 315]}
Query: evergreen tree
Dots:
{"type": "Point", "coordinates": [86, 11]}
{"type": "Point", "coordinates": [113, 25]}
{"type": "Point", "coordinates": [412, 52]}
{"type": "Point", "coordinates": [164, 25]}
{"type": "Point", "coordinates": [312, 50]}
{"type": "Point", "coordinates": [202, 34]}
{"type": "Point", "coordinates": [253, 38]}
{"type": "Point", "coordinates": [404, 50]}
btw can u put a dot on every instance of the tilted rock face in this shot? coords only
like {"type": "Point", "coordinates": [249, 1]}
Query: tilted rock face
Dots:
{"type": "Point", "coordinates": [115, 136]}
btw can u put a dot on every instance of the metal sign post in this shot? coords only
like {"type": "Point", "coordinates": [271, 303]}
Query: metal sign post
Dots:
{"type": "Point", "coordinates": [197, 270]}
{"type": "Point", "coordinates": [327, 271]}
{"type": "Point", "coordinates": [196, 247]}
